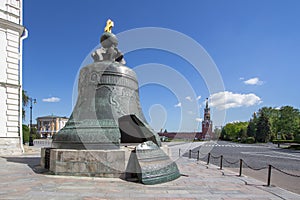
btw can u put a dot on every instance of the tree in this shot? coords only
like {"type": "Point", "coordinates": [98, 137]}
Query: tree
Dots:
{"type": "Point", "coordinates": [263, 130]}
{"type": "Point", "coordinates": [26, 133]}
{"type": "Point", "coordinates": [265, 125]}
{"type": "Point", "coordinates": [223, 134]}
{"type": "Point", "coordinates": [232, 131]}
{"type": "Point", "coordinates": [272, 115]}
{"type": "Point", "coordinates": [288, 123]}
{"type": "Point", "coordinates": [243, 134]}
{"type": "Point", "coordinates": [267, 111]}
{"type": "Point", "coordinates": [251, 128]}
{"type": "Point", "coordinates": [25, 100]}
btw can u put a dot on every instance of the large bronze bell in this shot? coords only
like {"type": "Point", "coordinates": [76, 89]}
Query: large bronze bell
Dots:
{"type": "Point", "coordinates": [108, 114]}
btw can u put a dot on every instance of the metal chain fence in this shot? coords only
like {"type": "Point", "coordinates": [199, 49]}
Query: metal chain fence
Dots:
{"type": "Point", "coordinates": [241, 161]}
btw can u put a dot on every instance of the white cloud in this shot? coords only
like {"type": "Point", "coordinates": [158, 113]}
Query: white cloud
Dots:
{"type": "Point", "coordinates": [234, 121]}
{"type": "Point", "coordinates": [51, 100]}
{"type": "Point", "coordinates": [242, 78]}
{"type": "Point", "coordinates": [189, 98]}
{"type": "Point", "coordinates": [253, 81]}
{"type": "Point", "coordinates": [178, 105]}
{"type": "Point", "coordinates": [226, 99]}
{"type": "Point", "coordinates": [199, 119]}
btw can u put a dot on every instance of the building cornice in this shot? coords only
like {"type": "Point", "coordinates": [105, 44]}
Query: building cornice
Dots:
{"type": "Point", "coordinates": [51, 117]}
{"type": "Point", "coordinates": [9, 85]}
{"type": "Point", "coordinates": [11, 25]}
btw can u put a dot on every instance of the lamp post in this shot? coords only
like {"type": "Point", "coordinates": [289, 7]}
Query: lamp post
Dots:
{"type": "Point", "coordinates": [30, 134]}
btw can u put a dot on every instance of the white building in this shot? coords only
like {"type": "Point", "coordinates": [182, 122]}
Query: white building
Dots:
{"type": "Point", "coordinates": [47, 126]}
{"type": "Point", "coordinates": [11, 35]}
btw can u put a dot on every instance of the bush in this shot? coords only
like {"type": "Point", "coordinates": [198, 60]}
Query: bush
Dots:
{"type": "Point", "coordinates": [250, 140]}
{"type": "Point", "coordinates": [25, 130]}
{"type": "Point", "coordinates": [295, 147]}
{"type": "Point", "coordinates": [297, 138]}
{"type": "Point", "coordinates": [26, 133]}
{"type": "Point", "coordinates": [243, 140]}
{"type": "Point", "coordinates": [289, 136]}
{"type": "Point", "coordinates": [235, 140]}
{"type": "Point", "coordinates": [282, 141]}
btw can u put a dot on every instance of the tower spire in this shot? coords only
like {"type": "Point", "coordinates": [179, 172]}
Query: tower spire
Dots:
{"type": "Point", "coordinates": [207, 123]}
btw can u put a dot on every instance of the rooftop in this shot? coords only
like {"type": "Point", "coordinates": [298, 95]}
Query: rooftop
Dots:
{"type": "Point", "coordinates": [51, 116]}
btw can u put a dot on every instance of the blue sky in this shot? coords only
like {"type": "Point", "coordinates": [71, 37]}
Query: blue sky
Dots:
{"type": "Point", "coordinates": [254, 45]}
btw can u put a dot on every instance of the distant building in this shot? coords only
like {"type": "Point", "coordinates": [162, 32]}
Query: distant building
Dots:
{"type": "Point", "coordinates": [206, 133]}
{"type": "Point", "coordinates": [207, 123]}
{"type": "Point", "coordinates": [182, 135]}
{"type": "Point", "coordinates": [12, 33]}
{"type": "Point", "coordinates": [47, 126]}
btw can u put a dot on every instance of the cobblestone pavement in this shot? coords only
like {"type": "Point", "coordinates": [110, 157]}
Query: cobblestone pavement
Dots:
{"type": "Point", "coordinates": [20, 180]}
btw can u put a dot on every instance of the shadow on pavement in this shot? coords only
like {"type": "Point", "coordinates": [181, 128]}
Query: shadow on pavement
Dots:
{"type": "Point", "coordinates": [32, 162]}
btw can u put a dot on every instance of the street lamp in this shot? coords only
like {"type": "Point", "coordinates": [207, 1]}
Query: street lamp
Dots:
{"type": "Point", "coordinates": [30, 134]}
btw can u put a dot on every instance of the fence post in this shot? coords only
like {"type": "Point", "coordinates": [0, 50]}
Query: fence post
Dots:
{"type": "Point", "coordinates": [179, 152]}
{"type": "Point", "coordinates": [241, 166]}
{"type": "Point", "coordinates": [269, 176]}
{"type": "Point", "coordinates": [198, 154]}
{"type": "Point", "coordinates": [221, 162]}
{"type": "Point", "coordinates": [190, 153]}
{"type": "Point", "coordinates": [208, 157]}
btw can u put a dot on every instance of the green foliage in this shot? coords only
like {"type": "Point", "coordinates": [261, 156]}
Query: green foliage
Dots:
{"type": "Point", "coordinates": [297, 138]}
{"type": "Point", "coordinates": [26, 133]}
{"type": "Point", "coordinates": [251, 128]}
{"type": "Point", "coordinates": [272, 115]}
{"type": "Point", "coordinates": [223, 135]}
{"type": "Point", "coordinates": [35, 134]}
{"type": "Point", "coordinates": [289, 136]}
{"type": "Point", "coordinates": [294, 147]}
{"type": "Point", "coordinates": [283, 141]}
{"type": "Point", "coordinates": [25, 100]}
{"type": "Point", "coordinates": [289, 119]}
{"type": "Point", "coordinates": [234, 131]}
{"type": "Point", "coordinates": [266, 125]}
{"type": "Point", "coordinates": [263, 129]}
{"type": "Point", "coordinates": [250, 140]}
{"type": "Point", "coordinates": [243, 134]}
{"type": "Point", "coordinates": [270, 122]}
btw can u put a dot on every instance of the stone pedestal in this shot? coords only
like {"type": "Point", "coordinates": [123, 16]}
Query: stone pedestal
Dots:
{"type": "Point", "coordinates": [93, 163]}
{"type": "Point", "coordinates": [130, 162]}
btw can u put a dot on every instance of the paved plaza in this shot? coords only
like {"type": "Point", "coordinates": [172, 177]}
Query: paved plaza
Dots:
{"type": "Point", "coordinates": [21, 178]}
